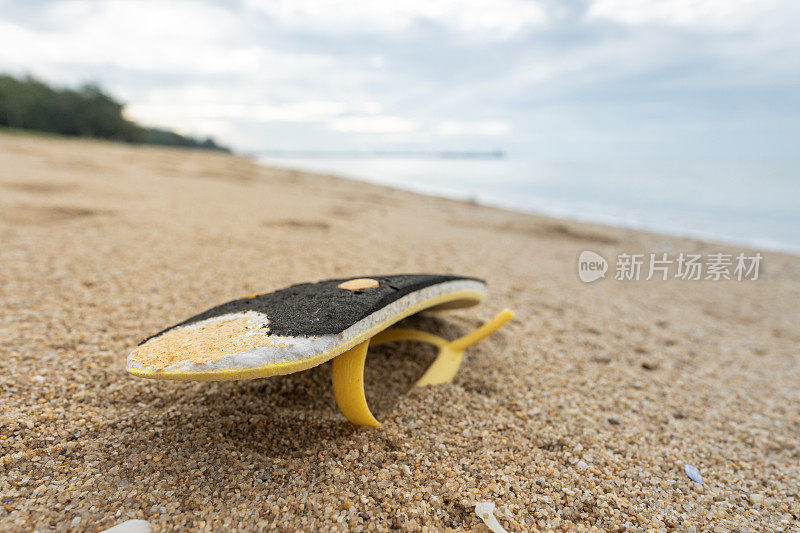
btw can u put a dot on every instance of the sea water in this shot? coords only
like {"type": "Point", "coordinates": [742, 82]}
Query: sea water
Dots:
{"type": "Point", "coordinates": [755, 204]}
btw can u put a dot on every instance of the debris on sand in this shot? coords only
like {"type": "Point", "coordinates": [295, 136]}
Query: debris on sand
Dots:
{"type": "Point", "coordinates": [130, 526]}
{"type": "Point", "coordinates": [485, 510]}
{"type": "Point", "coordinates": [693, 473]}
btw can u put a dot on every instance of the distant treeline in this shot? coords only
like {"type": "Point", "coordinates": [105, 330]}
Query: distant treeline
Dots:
{"type": "Point", "coordinates": [31, 104]}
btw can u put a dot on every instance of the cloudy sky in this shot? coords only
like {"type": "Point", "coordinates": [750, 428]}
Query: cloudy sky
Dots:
{"type": "Point", "coordinates": [704, 79]}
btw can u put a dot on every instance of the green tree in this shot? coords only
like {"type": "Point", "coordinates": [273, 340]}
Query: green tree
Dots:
{"type": "Point", "coordinates": [31, 104]}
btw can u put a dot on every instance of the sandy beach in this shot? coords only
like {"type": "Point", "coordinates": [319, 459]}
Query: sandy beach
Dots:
{"type": "Point", "coordinates": [579, 414]}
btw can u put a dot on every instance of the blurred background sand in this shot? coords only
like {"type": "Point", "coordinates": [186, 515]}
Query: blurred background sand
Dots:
{"type": "Point", "coordinates": [581, 413]}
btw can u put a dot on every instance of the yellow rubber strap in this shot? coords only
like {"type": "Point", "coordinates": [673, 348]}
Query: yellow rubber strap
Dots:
{"type": "Point", "coordinates": [348, 385]}
{"type": "Point", "coordinates": [400, 334]}
{"type": "Point", "coordinates": [348, 368]}
{"type": "Point", "coordinates": [462, 343]}
{"type": "Point", "coordinates": [451, 354]}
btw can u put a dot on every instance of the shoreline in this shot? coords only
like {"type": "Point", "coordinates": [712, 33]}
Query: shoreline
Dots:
{"type": "Point", "coordinates": [606, 220]}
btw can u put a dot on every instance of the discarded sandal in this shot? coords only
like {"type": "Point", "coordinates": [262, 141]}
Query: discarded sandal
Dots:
{"type": "Point", "coordinates": [304, 325]}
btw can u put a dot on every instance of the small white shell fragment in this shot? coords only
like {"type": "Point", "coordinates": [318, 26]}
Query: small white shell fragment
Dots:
{"type": "Point", "coordinates": [130, 526]}
{"type": "Point", "coordinates": [485, 511]}
{"type": "Point", "coordinates": [693, 473]}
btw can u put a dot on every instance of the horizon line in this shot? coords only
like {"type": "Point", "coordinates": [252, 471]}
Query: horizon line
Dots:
{"type": "Point", "coordinates": [436, 154]}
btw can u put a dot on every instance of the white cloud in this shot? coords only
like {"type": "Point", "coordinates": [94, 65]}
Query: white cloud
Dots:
{"type": "Point", "coordinates": [485, 127]}
{"type": "Point", "coordinates": [299, 112]}
{"type": "Point", "coordinates": [182, 38]}
{"type": "Point", "coordinates": [503, 17]}
{"type": "Point", "coordinates": [720, 14]}
{"type": "Point", "coordinates": [383, 124]}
